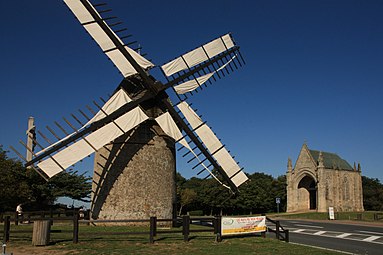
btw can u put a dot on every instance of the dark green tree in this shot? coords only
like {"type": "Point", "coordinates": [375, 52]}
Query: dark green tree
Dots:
{"type": "Point", "coordinates": [372, 194]}
{"type": "Point", "coordinates": [19, 185]}
{"type": "Point", "coordinates": [256, 196]}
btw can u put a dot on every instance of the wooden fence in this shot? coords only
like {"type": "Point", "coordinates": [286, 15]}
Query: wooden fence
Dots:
{"type": "Point", "coordinates": [212, 224]}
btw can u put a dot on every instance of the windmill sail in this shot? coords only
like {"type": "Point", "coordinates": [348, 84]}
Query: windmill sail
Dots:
{"type": "Point", "coordinates": [119, 99]}
{"type": "Point", "coordinates": [170, 128]}
{"type": "Point", "coordinates": [168, 125]}
{"type": "Point", "coordinates": [97, 139]}
{"type": "Point", "coordinates": [107, 39]}
{"type": "Point", "coordinates": [192, 85]}
{"type": "Point", "coordinates": [215, 147]}
{"type": "Point", "coordinates": [120, 114]}
{"type": "Point", "coordinates": [199, 55]}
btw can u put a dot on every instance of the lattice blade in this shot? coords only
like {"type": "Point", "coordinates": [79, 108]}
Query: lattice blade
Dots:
{"type": "Point", "coordinates": [199, 55]}
{"type": "Point", "coordinates": [124, 58]}
{"type": "Point", "coordinates": [215, 147]}
{"type": "Point", "coordinates": [92, 142]}
{"type": "Point", "coordinates": [193, 84]}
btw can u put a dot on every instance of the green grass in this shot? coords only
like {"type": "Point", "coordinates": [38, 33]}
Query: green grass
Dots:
{"type": "Point", "coordinates": [201, 243]}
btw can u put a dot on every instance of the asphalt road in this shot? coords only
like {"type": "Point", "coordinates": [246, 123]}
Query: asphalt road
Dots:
{"type": "Point", "coordinates": [349, 238]}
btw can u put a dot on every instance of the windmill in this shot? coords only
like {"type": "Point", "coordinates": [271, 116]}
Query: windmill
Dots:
{"type": "Point", "coordinates": [134, 132]}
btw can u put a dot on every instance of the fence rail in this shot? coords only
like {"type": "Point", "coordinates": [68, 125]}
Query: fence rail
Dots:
{"type": "Point", "coordinates": [212, 224]}
{"type": "Point", "coordinates": [280, 232]}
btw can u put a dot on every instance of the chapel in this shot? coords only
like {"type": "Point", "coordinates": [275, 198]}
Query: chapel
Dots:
{"type": "Point", "coordinates": [320, 180]}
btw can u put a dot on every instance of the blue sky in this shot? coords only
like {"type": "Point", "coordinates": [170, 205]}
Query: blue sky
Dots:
{"type": "Point", "coordinates": [314, 73]}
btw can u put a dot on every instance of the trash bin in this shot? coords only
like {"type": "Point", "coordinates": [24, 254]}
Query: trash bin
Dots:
{"type": "Point", "coordinates": [41, 232]}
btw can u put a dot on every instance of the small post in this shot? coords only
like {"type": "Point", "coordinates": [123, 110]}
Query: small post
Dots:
{"type": "Point", "coordinates": [287, 236]}
{"type": "Point", "coordinates": [75, 227]}
{"type": "Point", "coordinates": [277, 229]}
{"type": "Point", "coordinates": [153, 229]}
{"type": "Point", "coordinates": [7, 228]}
{"type": "Point", "coordinates": [186, 227]}
{"type": "Point", "coordinates": [4, 247]}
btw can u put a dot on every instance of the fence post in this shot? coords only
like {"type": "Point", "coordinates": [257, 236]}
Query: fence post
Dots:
{"type": "Point", "coordinates": [287, 236]}
{"type": "Point", "coordinates": [153, 229]}
{"type": "Point", "coordinates": [75, 227]}
{"type": "Point", "coordinates": [7, 228]}
{"type": "Point", "coordinates": [186, 227]}
{"type": "Point", "coordinates": [174, 216]}
{"type": "Point", "coordinates": [16, 218]}
{"type": "Point", "coordinates": [277, 229]}
{"type": "Point", "coordinates": [218, 230]}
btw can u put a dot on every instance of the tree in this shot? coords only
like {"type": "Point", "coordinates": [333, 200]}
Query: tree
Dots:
{"type": "Point", "coordinates": [20, 185]}
{"type": "Point", "coordinates": [14, 187]}
{"type": "Point", "coordinates": [372, 194]}
{"type": "Point", "coordinates": [256, 195]}
{"type": "Point", "coordinates": [279, 190]}
{"type": "Point", "coordinates": [187, 197]}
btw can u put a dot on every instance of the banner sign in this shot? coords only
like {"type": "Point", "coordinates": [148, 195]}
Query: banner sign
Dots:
{"type": "Point", "coordinates": [242, 225]}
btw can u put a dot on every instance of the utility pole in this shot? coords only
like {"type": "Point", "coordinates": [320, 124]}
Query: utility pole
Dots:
{"type": "Point", "coordinates": [31, 137]}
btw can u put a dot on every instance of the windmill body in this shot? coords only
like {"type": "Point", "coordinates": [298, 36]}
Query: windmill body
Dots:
{"type": "Point", "coordinates": [134, 132]}
{"type": "Point", "coordinates": [134, 176]}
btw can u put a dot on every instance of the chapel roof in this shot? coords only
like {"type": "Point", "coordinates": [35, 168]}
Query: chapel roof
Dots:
{"type": "Point", "coordinates": [331, 160]}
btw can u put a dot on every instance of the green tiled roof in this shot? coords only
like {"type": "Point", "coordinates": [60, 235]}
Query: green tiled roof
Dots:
{"type": "Point", "coordinates": [331, 160]}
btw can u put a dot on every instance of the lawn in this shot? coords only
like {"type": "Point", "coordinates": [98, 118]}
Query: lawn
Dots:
{"type": "Point", "coordinates": [90, 242]}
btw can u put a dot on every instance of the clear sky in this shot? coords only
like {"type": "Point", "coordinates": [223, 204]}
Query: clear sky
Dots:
{"type": "Point", "coordinates": [314, 72]}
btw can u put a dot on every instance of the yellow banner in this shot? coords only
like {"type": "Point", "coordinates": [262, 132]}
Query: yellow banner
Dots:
{"type": "Point", "coordinates": [243, 225]}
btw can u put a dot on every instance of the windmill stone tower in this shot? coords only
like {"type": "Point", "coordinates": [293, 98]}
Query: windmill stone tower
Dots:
{"type": "Point", "coordinates": [129, 171]}
{"type": "Point", "coordinates": [133, 134]}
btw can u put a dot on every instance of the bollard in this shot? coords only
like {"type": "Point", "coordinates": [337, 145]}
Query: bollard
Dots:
{"type": "Point", "coordinates": [4, 246]}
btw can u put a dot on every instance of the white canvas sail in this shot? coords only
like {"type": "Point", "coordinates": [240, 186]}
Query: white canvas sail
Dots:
{"type": "Point", "coordinates": [215, 147]}
{"type": "Point", "coordinates": [92, 142]}
{"type": "Point", "coordinates": [105, 41]}
{"type": "Point", "coordinates": [199, 55]}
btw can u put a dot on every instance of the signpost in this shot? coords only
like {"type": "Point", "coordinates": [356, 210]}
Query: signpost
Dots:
{"type": "Point", "coordinates": [331, 215]}
{"type": "Point", "coordinates": [277, 201]}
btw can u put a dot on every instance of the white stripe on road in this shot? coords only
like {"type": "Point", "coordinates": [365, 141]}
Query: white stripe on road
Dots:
{"type": "Point", "coordinates": [319, 233]}
{"type": "Point", "coordinates": [311, 226]}
{"type": "Point", "coordinates": [298, 230]}
{"type": "Point", "coordinates": [370, 232]}
{"type": "Point", "coordinates": [371, 238]}
{"type": "Point", "coordinates": [343, 235]}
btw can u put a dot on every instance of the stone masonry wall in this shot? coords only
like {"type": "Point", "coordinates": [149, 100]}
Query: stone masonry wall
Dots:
{"type": "Point", "coordinates": [134, 178]}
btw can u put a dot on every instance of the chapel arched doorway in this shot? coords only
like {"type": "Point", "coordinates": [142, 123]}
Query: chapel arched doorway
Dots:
{"type": "Point", "coordinates": [307, 193]}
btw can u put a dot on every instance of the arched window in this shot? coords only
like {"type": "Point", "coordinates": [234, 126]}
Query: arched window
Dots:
{"type": "Point", "coordinates": [346, 189]}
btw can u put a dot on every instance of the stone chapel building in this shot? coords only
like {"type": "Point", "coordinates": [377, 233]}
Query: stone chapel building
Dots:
{"type": "Point", "coordinates": [320, 180]}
